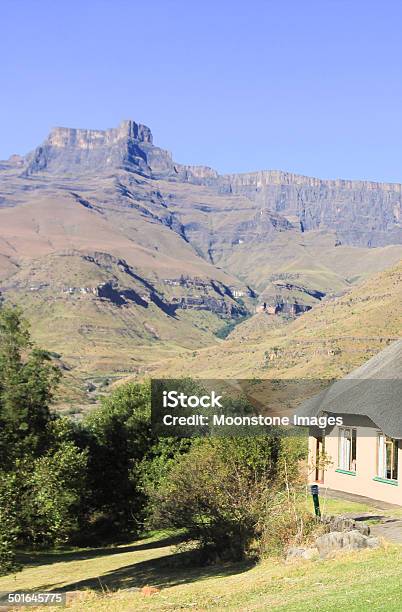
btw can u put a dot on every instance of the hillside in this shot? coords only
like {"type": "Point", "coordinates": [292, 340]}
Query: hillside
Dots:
{"type": "Point", "coordinates": [328, 341]}
{"type": "Point", "coordinates": [122, 257]}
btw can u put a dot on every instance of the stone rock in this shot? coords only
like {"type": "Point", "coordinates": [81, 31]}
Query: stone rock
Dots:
{"type": "Point", "coordinates": [301, 553]}
{"type": "Point", "coordinates": [344, 523]}
{"type": "Point", "coordinates": [335, 541]}
{"type": "Point", "coordinates": [294, 553]}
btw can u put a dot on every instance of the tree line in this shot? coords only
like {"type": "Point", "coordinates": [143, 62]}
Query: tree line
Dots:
{"type": "Point", "coordinates": [106, 478]}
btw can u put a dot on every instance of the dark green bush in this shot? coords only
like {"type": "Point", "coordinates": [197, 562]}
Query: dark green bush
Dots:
{"type": "Point", "coordinates": [220, 492]}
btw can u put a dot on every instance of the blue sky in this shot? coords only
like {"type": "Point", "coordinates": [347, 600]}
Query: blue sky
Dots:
{"type": "Point", "coordinates": [313, 87]}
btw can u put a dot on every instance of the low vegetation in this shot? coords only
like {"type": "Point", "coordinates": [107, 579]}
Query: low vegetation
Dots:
{"type": "Point", "coordinates": [101, 480]}
{"type": "Point", "coordinates": [230, 496]}
{"type": "Point", "coordinates": [226, 329]}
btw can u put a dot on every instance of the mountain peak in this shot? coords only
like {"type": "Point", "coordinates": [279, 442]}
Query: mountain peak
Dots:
{"type": "Point", "coordinates": [78, 150]}
{"type": "Point", "coordinates": [129, 146]}
{"type": "Point", "coordinates": [86, 138]}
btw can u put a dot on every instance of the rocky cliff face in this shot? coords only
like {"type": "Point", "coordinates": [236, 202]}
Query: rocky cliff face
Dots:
{"type": "Point", "coordinates": [361, 213]}
{"type": "Point", "coordinates": [95, 139]}
{"type": "Point", "coordinates": [129, 146]}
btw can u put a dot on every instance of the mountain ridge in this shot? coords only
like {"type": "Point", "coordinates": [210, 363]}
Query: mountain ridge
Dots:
{"type": "Point", "coordinates": [362, 213]}
{"type": "Point", "coordinates": [214, 249]}
{"type": "Point", "coordinates": [128, 130]}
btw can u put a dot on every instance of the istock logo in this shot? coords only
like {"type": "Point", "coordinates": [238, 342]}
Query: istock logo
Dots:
{"type": "Point", "coordinates": [172, 399]}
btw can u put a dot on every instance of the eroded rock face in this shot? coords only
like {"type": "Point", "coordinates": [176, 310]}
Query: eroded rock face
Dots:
{"type": "Point", "coordinates": [129, 146]}
{"type": "Point", "coordinates": [361, 213]}
{"type": "Point", "coordinates": [92, 139]}
{"type": "Point", "coordinates": [70, 150]}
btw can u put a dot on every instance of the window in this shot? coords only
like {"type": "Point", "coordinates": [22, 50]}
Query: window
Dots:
{"type": "Point", "coordinates": [387, 457]}
{"type": "Point", "coordinates": [347, 449]}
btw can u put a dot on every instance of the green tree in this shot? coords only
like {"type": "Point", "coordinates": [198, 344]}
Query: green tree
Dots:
{"type": "Point", "coordinates": [160, 458]}
{"type": "Point", "coordinates": [56, 493]}
{"type": "Point", "coordinates": [50, 490]}
{"type": "Point", "coordinates": [9, 524]}
{"type": "Point", "coordinates": [43, 471]}
{"type": "Point", "coordinates": [119, 437]}
{"type": "Point", "coordinates": [28, 380]}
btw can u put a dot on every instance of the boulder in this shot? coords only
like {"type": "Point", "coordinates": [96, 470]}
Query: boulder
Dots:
{"type": "Point", "coordinates": [373, 542]}
{"type": "Point", "coordinates": [294, 553]}
{"type": "Point", "coordinates": [345, 523]}
{"type": "Point", "coordinates": [301, 553]}
{"type": "Point", "coordinates": [310, 553]}
{"type": "Point", "coordinates": [335, 541]}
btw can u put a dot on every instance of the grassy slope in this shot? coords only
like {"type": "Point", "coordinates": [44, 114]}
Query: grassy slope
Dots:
{"type": "Point", "coordinates": [329, 340]}
{"type": "Point", "coordinates": [311, 256]}
{"type": "Point", "coordinates": [357, 581]}
{"type": "Point", "coordinates": [97, 340]}
{"type": "Point", "coordinates": [95, 337]}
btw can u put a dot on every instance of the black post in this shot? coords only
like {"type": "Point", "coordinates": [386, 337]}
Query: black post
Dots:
{"type": "Point", "coordinates": [316, 500]}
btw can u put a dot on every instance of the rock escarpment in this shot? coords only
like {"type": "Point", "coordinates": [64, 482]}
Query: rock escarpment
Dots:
{"type": "Point", "coordinates": [77, 151]}
{"type": "Point", "coordinates": [74, 151]}
{"type": "Point", "coordinates": [361, 213]}
{"type": "Point", "coordinates": [129, 253]}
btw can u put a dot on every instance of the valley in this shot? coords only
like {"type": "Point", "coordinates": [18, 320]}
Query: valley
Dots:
{"type": "Point", "coordinates": [128, 264]}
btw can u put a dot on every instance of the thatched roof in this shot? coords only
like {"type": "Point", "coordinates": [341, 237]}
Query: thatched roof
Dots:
{"type": "Point", "coordinates": [373, 390]}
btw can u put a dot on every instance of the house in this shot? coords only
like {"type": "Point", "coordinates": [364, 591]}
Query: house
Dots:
{"type": "Point", "coordinates": [362, 456]}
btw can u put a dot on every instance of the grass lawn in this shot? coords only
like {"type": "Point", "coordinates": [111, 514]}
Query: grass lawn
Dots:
{"type": "Point", "coordinates": [332, 505]}
{"type": "Point", "coordinates": [335, 506]}
{"type": "Point", "coordinates": [339, 506]}
{"type": "Point", "coordinates": [359, 581]}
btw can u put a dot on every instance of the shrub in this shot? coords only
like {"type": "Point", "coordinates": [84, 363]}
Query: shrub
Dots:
{"type": "Point", "coordinates": [160, 459]}
{"type": "Point", "coordinates": [224, 331]}
{"type": "Point", "coordinates": [288, 523]}
{"type": "Point", "coordinates": [221, 491]}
